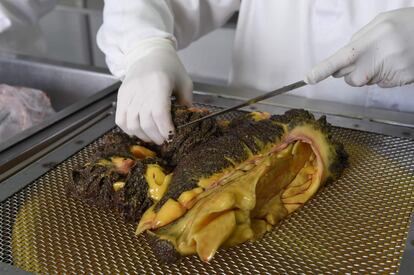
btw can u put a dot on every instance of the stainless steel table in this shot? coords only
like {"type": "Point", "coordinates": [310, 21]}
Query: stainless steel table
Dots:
{"type": "Point", "coordinates": [71, 88]}
{"type": "Point", "coordinates": [382, 153]}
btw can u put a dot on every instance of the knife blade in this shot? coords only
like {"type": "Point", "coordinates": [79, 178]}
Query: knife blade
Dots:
{"type": "Point", "coordinates": [251, 101]}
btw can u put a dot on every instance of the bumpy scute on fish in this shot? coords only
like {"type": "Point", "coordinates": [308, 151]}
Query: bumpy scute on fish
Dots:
{"type": "Point", "coordinates": [229, 179]}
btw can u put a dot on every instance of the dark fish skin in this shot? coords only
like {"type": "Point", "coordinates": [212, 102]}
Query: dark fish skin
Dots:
{"type": "Point", "coordinates": [187, 138]}
{"type": "Point", "coordinates": [117, 144]}
{"type": "Point", "coordinates": [214, 155]}
{"type": "Point", "coordinates": [163, 249]}
{"type": "Point", "coordinates": [93, 182]}
{"type": "Point", "coordinates": [197, 151]}
{"type": "Point", "coordinates": [242, 130]}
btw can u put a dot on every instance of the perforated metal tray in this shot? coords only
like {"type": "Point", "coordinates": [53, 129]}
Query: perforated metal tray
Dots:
{"type": "Point", "coordinates": [358, 224]}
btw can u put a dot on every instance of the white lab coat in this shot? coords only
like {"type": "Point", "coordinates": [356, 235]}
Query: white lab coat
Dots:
{"type": "Point", "coordinates": [276, 42]}
{"type": "Point", "coordinates": [19, 30]}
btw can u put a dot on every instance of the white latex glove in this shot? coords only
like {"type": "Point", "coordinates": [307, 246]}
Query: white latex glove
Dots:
{"type": "Point", "coordinates": [380, 53]}
{"type": "Point", "coordinates": [154, 73]}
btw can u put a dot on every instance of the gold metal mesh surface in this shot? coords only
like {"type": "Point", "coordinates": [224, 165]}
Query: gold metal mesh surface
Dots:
{"type": "Point", "coordinates": [355, 225]}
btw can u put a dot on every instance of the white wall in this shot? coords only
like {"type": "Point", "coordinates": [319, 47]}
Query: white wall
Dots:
{"type": "Point", "coordinates": [65, 35]}
{"type": "Point", "coordinates": [209, 58]}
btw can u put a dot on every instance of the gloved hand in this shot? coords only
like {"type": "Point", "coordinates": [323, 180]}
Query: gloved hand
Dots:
{"type": "Point", "coordinates": [380, 53]}
{"type": "Point", "coordinates": [154, 73]}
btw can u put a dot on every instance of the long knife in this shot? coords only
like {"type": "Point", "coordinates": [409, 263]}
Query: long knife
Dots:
{"type": "Point", "coordinates": [282, 90]}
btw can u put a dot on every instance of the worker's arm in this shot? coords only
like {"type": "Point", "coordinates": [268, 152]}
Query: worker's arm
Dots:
{"type": "Point", "coordinates": [23, 12]}
{"type": "Point", "coordinates": [139, 39]}
{"type": "Point", "coordinates": [127, 23]}
{"type": "Point", "coordinates": [381, 53]}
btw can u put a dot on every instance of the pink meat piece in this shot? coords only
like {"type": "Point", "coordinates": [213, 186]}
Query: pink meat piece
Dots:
{"type": "Point", "coordinates": [21, 108]}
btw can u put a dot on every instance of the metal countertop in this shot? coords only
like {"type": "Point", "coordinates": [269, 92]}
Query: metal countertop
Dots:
{"type": "Point", "coordinates": [30, 159]}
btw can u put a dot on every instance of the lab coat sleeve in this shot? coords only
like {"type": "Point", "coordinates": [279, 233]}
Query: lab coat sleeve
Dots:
{"type": "Point", "coordinates": [127, 23]}
{"type": "Point", "coordinates": [23, 12]}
